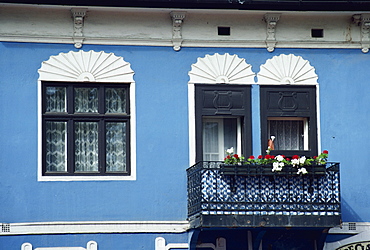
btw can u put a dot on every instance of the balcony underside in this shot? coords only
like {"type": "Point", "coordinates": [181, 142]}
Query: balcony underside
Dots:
{"type": "Point", "coordinates": [246, 221]}
{"type": "Point", "coordinates": [256, 198]}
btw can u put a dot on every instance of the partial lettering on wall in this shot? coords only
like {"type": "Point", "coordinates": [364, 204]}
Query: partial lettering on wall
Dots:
{"type": "Point", "coordinates": [365, 245]}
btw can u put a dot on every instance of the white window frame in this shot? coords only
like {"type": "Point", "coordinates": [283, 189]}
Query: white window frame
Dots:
{"type": "Point", "coordinates": [81, 67]}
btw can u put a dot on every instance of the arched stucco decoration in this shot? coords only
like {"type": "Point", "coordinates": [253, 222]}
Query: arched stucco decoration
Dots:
{"type": "Point", "coordinates": [224, 68]}
{"type": "Point", "coordinates": [88, 66]}
{"type": "Point", "coordinates": [287, 69]}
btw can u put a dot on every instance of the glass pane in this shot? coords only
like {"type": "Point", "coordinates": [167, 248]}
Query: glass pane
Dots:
{"type": "Point", "coordinates": [55, 99]}
{"type": "Point", "coordinates": [56, 160]}
{"type": "Point", "coordinates": [86, 100]}
{"type": "Point", "coordinates": [115, 100]}
{"type": "Point", "coordinates": [86, 147]}
{"type": "Point", "coordinates": [211, 141]}
{"type": "Point", "coordinates": [230, 134]}
{"type": "Point", "coordinates": [288, 134]}
{"type": "Point", "coordinates": [115, 147]}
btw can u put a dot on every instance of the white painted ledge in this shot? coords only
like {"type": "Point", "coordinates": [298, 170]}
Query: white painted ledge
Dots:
{"type": "Point", "coordinates": [81, 227]}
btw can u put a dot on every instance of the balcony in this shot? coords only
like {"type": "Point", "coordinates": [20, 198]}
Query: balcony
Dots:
{"type": "Point", "coordinates": [253, 196]}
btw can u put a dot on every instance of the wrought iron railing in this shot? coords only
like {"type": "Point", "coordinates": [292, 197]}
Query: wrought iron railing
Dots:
{"type": "Point", "coordinates": [219, 190]}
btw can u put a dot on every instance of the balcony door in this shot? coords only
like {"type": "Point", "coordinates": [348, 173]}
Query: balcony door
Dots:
{"type": "Point", "coordinates": [222, 118]}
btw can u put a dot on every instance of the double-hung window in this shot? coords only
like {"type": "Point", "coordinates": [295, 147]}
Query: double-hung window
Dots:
{"type": "Point", "coordinates": [289, 120]}
{"type": "Point", "coordinates": [85, 129]}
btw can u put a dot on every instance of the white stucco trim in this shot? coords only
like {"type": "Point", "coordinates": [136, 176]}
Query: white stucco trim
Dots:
{"type": "Point", "coordinates": [82, 227]}
{"type": "Point", "coordinates": [90, 66]}
{"type": "Point", "coordinates": [287, 70]}
{"type": "Point", "coordinates": [192, 140]}
{"type": "Point", "coordinates": [219, 69]}
{"type": "Point", "coordinates": [134, 26]}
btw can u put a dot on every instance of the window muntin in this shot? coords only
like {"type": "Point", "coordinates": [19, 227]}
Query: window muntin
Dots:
{"type": "Point", "coordinates": [86, 129]}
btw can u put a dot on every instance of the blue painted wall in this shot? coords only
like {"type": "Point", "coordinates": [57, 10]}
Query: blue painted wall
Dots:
{"type": "Point", "coordinates": [161, 76]}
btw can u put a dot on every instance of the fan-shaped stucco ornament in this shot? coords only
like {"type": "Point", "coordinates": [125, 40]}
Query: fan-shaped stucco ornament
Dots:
{"type": "Point", "coordinates": [86, 66]}
{"type": "Point", "coordinates": [221, 69]}
{"type": "Point", "coordinates": [287, 69]}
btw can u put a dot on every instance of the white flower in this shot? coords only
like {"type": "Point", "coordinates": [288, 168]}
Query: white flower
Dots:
{"type": "Point", "coordinates": [295, 162]}
{"type": "Point", "coordinates": [279, 158]}
{"type": "Point", "coordinates": [230, 150]}
{"type": "Point", "coordinates": [302, 159]}
{"type": "Point", "coordinates": [302, 171]}
{"type": "Point", "coordinates": [281, 164]}
{"type": "Point", "coordinates": [277, 167]}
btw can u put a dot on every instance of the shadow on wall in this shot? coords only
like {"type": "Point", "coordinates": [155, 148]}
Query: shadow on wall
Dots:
{"type": "Point", "coordinates": [348, 214]}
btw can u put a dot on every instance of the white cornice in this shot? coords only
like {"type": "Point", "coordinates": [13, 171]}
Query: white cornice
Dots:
{"type": "Point", "coordinates": [167, 10]}
{"type": "Point", "coordinates": [81, 227]}
{"type": "Point", "coordinates": [154, 27]}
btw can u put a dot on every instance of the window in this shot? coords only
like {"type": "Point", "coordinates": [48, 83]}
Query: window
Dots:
{"type": "Point", "coordinates": [222, 120]}
{"type": "Point", "coordinates": [85, 129]}
{"type": "Point", "coordinates": [288, 120]}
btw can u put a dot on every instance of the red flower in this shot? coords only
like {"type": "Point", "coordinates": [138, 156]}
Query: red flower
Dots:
{"type": "Point", "coordinates": [315, 157]}
{"type": "Point", "coordinates": [236, 156]}
{"type": "Point", "coordinates": [228, 157]}
{"type": "Point", "coordinates": [295, 157]}
{"type": "Point", "coordinates": [325, 152]}
{"type": "Point", "coordinates": [287, 159]}
{"type": "Point", "coordinates": [260, 157]}
{"type": "Point", "coordinates": [251, 157]}
{"type": "Point", "coordinates": [267, 157]}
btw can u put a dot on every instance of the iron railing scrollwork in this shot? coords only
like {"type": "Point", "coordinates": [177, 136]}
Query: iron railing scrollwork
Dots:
{"type": "Point", "coordinates": [212, 190]}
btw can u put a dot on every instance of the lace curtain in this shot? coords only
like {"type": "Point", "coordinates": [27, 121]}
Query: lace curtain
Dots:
{"type": "Point", "coordinates": [288, 134]}
{"type": "Point", "coordinates": [56, 153]}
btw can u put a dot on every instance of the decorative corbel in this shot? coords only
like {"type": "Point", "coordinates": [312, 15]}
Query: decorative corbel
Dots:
{"type": "Point", "coordinates": [271, 20]}
{"type": "Point", "coordinates": [78, 24]}
{"type": "Point", "coordinates": [177, 19]}
{"type": "Point", "coordinates": [365, 31]}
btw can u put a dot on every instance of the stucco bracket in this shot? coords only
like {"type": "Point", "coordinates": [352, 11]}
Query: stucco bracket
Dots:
{"type": "Point", "coordinates": [271, 20]}
{"type": "Point", "coordinates": [365, 31]}
{"type": "Point", "coordinates": [177, 20]}
{"type": "Point", "coordinates": [78, 16]}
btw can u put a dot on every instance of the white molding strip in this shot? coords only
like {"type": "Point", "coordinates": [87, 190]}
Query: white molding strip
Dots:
{"type": "Point", "coordinates": [83, 227]}
{"type": "Point", "coordinates": [186, 43]}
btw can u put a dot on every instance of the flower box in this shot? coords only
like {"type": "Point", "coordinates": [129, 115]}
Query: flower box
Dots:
{"type": "Point", "coordinates": [252, 169]}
